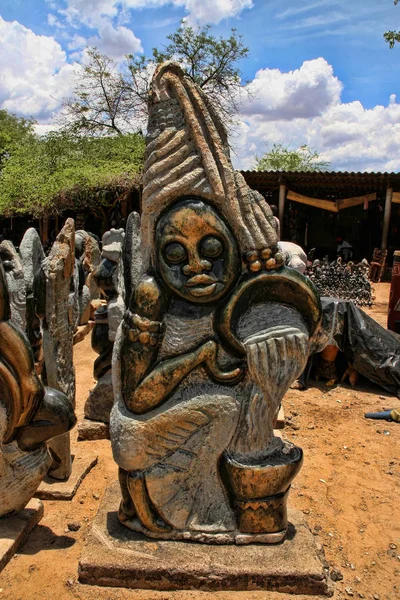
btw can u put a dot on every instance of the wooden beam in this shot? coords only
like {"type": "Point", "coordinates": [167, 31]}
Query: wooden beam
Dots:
{"type": "Point", "coordinates": [316, 202]}
{"type": "Point", "coordinates": [386, 218]}
{"type": "Point", "coordinates": [396, 197]}
{"type": "Point", "coordinates": [281, 210]}
{"type": "Point", "coordinates": [348, 202]}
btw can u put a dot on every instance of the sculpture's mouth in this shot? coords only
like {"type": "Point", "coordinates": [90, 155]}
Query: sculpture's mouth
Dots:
{"type": "Point", "coordinates": [202, 285]}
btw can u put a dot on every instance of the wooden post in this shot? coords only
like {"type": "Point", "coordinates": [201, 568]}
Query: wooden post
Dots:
{"type": "Point", "coordinates": [45, 229]}
{"type": "Point", "coordinates": [386, 217]}
{"type": "Point", "coordinates": [281, 210]}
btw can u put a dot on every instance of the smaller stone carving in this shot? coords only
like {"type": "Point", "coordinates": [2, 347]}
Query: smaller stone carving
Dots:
{"type": "Point", "coordinates": [16, 283]}
{"type": "Point", "coordinates": [109, 277]}
{"type": "Point", "coordinates": [32, 256]}
{"type": "Point", "coordinates": [87, 254]}
{"type": "Point", "coordinates": [29, 415]}
{"type": "Point", "coordinates": [59, 320]}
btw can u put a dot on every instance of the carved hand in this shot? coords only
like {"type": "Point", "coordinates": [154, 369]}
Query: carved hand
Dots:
{"type": "Point", "coordinates": [209, 354]}
{"type": "Point", "coordinates": [143, 330]}
{"type": "Point", "coordinates": [276, 357]}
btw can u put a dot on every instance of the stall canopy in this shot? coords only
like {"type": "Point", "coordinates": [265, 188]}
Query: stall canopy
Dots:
{"type": "Point", "coordinates": [332, 191]}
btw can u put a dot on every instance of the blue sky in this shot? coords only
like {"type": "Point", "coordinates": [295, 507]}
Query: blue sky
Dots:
{"type": "Point", "coordinates": [320, 70]}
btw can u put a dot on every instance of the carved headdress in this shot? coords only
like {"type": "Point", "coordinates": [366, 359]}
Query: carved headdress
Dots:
{"type": "Point", "coordinates": [188, 154]}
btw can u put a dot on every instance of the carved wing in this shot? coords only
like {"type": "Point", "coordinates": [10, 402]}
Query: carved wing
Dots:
{"type": "Point", "coordinates": [174, 431]}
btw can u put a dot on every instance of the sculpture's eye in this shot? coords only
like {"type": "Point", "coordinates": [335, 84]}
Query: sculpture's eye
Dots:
{"type": "Point", "coordinates": [175, 253]}
{"type": "Point", "coordinates": [211, 247]}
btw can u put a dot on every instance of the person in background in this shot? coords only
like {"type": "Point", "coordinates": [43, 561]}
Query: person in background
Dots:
{"type": "Point", "coordinates": [344, 249]}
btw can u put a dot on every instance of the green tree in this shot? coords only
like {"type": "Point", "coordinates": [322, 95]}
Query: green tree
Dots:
{"type": "Point", "coordinates": [103, 103]}
{"type": "Point", "coordinates": [391, 37]}
{"type": "Point", "coordinates": [113, 100]}
{"type": "Point", "coordinates": [13, 131]}
{"type": "Point", "coordinates": [61, 170]}
{"type": "Point", "coordinates": [283, 158]}
{"type": "Point", "coordinates": [210, 62]}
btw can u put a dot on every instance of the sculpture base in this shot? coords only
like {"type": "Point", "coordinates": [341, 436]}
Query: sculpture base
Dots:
{"type": "Point", "coordinates": [116, 557]}
{"type": "Point", "coordinates": [89, 430]}
{"type": "Point", "coordinates": [55, 489]}
{"type": "Point", "coordinates": [15, 529]}
{"type": "Point", "coordinates": [200, 537]}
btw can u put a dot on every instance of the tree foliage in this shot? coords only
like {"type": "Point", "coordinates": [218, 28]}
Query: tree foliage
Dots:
{"type": "Point", "coordinates": [13, 131]}
{"type": "Point", "coordinates": [391, 37]}
{"type": "Point", "coordinates": [61, 170]}
{"type": "Point", "coordinates": [109, 99]}
{"type": "Point", "coordinates": [103, 101]}
{"type": "Point", "coordinates": [210, 62]}
{"type": "Point", "coordinates": [282, 158]}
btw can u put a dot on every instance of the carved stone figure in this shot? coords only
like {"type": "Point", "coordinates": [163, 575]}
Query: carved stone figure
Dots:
{"type": "Point", "coordinates": [59, 318]}
{"type": "Point", "coordinates": [15, 281]}
{"type": "Point", "coordinates": [109, 277]}
{"type": "Point", "coordinates": [215, 332]}
{"type": "Point", "coordinates": [87, 254]}
{"type": "Point", "coordinates": [29, 415]}
{"type": "Point", "coordinates": [32, 256]}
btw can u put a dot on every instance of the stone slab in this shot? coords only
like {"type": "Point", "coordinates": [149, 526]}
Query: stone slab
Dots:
{"type": "Point", "coordinates": [117, 557]}
{"type": "Point", "coordinates": [54, 489]}
{"type": "Point", "coordinates": [93, 430]}
{"type": "Point", "coordinates": [15, 529]}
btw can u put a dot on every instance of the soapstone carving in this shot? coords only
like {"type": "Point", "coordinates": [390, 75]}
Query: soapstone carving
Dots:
{"type": "Point", "coordinates": [29, 415]}
{"type": "Point", "coordinates": [215, 332]}
{"type": "Point", "coordinates": [32, 256]}
{"type": "Point", "coordinates": [15, 281]}
{"type": "Point", "coordinates": [59, 314]}
{"type": "Point", "coordinates": [109, 277]}
{"type": "Point", "coordinates": [87, 254]}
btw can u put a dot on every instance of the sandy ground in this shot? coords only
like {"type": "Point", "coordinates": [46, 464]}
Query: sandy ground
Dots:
{"type": "Point", "coordinates": [348, 490]}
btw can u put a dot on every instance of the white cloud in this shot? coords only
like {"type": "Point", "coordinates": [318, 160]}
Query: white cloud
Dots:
{"type": "Point", "coordinates": [214, 11]}
{"type": "Point", "coordinates": [54, 22]}
{"type": "Point", "coordinates": [91, 12]}
{"type": "Point", "coordinates": [287, 95]}
{"type": "Point", "coordinates": [115, 42]}
{"type": "Point", "coordinates": [34, 73]}
{"type": "Point", "coordinates": [304, 106]}
{"type": "Point", "coordinates": [77, 42]}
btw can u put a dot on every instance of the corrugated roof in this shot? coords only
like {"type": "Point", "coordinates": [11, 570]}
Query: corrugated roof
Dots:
{"type": "Point", "coordinates": [323, 184]}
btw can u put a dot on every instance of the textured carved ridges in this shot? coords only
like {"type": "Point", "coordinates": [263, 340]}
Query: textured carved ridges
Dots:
{"type": "Point", "coordinates": [187, 152]}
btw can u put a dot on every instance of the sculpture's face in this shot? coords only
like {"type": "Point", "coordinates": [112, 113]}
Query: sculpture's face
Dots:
{"type": "Point", "coordinates": [197, 256]}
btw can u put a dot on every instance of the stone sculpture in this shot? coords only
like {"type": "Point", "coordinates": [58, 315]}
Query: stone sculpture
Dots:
{"type": "Point", "coordinates": [87, 253]}
{"type": "Point", "coordinates": [16, 284]}
{"type": "Point", "coordinates": [29, 415]}
{"type": "Point", "coordinates": [109, 277]}
{"type": "Point", "coordinates": [59, 315]}
{"type": "Point", "coordinates": [215, 332]}
{"type": "Point", "coordinates": [32, 256]}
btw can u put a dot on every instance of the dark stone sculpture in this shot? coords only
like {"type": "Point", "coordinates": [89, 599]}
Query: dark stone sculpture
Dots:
{"type": "Point", "coordinates": [109, 277]}
{"type": "Point", "coordinates": [216, 331]}
{"type": "Point", "coordinates": [30, 415]}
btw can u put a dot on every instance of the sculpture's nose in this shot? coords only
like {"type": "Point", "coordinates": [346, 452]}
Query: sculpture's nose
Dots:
{"type": "Point", "coordinates": [196, 265]}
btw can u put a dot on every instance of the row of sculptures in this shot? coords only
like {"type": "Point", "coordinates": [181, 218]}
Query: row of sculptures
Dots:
{"type": "Point", "coordinates": [204, 330]}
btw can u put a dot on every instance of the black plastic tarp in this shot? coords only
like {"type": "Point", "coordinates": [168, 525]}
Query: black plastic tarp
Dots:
{"type": "Point", "coordinates": [372, 350]}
